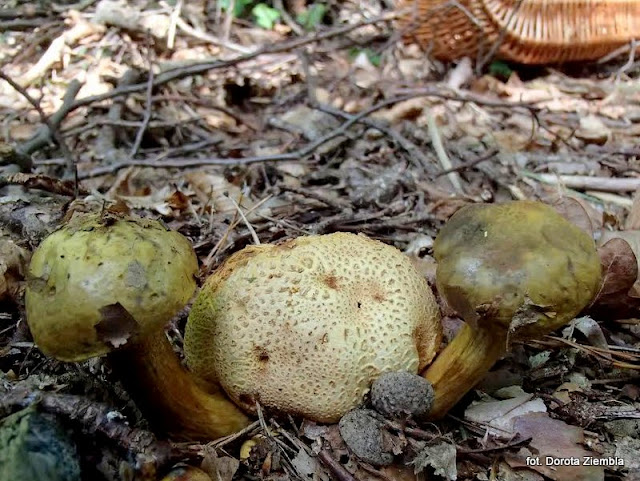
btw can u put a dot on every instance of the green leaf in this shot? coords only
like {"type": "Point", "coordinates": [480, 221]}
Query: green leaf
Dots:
{"type": "Point", "coordinates": [239, 6]}
{"type": "Point", "coordinates": [265, 16]}
{"type": "Point", "coordinates": [313, 16]}
{"type": "Point", "coordinates": [500, 70]}
{"type": "Point", "coordinates": [373, 57]}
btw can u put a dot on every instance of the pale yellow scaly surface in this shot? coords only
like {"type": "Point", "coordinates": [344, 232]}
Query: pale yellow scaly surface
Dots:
{"type": "Point", "coordinates": [305, 326]}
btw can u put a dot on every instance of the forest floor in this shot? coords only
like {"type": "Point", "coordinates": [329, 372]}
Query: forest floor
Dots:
{"type": "Point", "coordinates": [231, 132]}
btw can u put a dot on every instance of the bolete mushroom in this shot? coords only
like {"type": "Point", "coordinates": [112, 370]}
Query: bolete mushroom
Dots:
{"type": "Point", "coordinates": [109, 284]}
{"type": "Point", "coordinates": [305, 326]}
{"type": "Point", "coordinates": [512, 271]}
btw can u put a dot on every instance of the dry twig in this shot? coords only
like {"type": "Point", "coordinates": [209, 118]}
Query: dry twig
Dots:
{"type": "Point", "coordinates": [441, 153]}
{"type": "Point", "coordinates": [147, 110]}
{"type": "Point", "coordinates": [583, 182]}
{"type": "Point", "coordinates": [43, 182]}
{"type": "Point", "coordinates": [200, 68]}
{"type": "Point", "coordinates": [52, 123]}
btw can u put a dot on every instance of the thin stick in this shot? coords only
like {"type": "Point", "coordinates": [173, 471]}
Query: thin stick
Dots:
{"type": "Point", "coordinates": [471, 163]}
{"type": "Point", "coordinates": [254, 236]}
{"type": "Point", "coordinates": [584, 182]}
{"type": "Point", "coordinates": [173, 18]}
{"type": "Point", "coordinates": [295, 155]}
{"type": "Point", "coordinates": [412, 149]}
{"type": "Point", "coordinates": [200, 68]}
{"type": "Point", "coordinates": [43, 182]}
{"type": "Point", "coordinates": [93, 418]}
{"type": "Point", "coordinates": [340, 473]}
{"type": "Point", "coordinates": [200, 35]}
{"type": "Point", "coordinates": [441, 153]}
{"type": "Point", "coordinates": [226, 27]}
{"type": "Point", "coordinates": [286, 18]}
{"type": "Point", "coordinates": [147, 108]}
{"type": "Point", "coordinates": [233, 225]}
{"type": "Point", "coordinates": [53, 128]}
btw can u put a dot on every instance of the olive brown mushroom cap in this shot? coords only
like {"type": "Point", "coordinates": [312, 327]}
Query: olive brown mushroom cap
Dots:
{"type": "Point", "coordinates": [520, 264]}
{"type": "Point", "coordinates": [103, 280]}
{"type": "Point", "coordinates": [305, 326]}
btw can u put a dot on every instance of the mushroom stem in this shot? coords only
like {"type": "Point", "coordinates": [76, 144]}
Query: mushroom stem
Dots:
{"type": "Point", "coordinates": [170, 395]}
{"type": "Point", "coordinates": [462, 364]}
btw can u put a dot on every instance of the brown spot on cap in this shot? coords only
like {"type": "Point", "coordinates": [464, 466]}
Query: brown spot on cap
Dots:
{"type": "Point", "coordinates": [331, 281]}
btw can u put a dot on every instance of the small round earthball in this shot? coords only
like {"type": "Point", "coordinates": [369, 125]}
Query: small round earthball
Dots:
{"type": "Point", "coordinates": [305, 326]}
{"type": "Point", "coordinates": [362, 432]}
{"type": "Point", "coordinates": [101, 280]}
{"type": "Point", "coordinates": [401, 393]}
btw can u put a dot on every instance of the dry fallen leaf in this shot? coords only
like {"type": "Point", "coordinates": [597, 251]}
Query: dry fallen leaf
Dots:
{"type": "Point", "coordinates": [628, 449]}
{"type": "Point", "coordinates": [576, 212]}
{"type": "Point", "coordinates": [619, 293]}
{"type": "Point", "coordinates": [619, 267]}
{"type": "Point", "coordinates": [592, 130]}
{"type": "Point", "coordinates": [219, 468]}
{"type": "Point", "coordinates": [13, 264]}
{"type": "Point", "coordinates": [501, 415]}
{"type": "Point", "coordinates": [215, 191]}
{"type": "Point", "coordinates": [592, 331]}
{"type": "Point", "coordinates": [178, 200]}
{"type": "Point", "coordinates": [553, 442]}
{"type": "Point", "coordinates": [441, 456]}
{"type": "Point", "coordinates": [305, 465]}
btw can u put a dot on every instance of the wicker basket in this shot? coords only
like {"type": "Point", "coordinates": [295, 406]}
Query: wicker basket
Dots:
{"type": "Point", "coordinates": [525, 31]}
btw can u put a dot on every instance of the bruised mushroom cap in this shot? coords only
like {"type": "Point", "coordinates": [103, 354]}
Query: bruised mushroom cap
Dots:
{"type": "Point", "coordinates": [520, 264]}
{"type": "Point", "coordinates": [101, 281]}
{"type": "Point", "coordinates": [305, 326]}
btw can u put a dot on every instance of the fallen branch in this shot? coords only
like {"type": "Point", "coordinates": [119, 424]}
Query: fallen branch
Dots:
{"type": "Point", "coordinates": [441, 153]}
{"type": "Point", "coordinates": [200, 68]}
{"type": "Point", "coordinates": [585, 182]}
{"type": "Point", "coordinates": [42, 182]}
{"type": "Point", "coordinates": [22, 24]}
{"type": "Point", "coordinates": [105, 145]}
{"type": "Point", "coordinates": [147, 112]}
{"type": "Point", "coordinates": [409, 147]}
{"type": "Point", "coordinates": [290, 156]}
{"type": "Point", "coordinates": [200, 35]}
{"type": "Point", "coordinates": [95, 418]}
{"type": "Point", "coordinates": [470, 163]}
{"type": "Point", "coordinates": [52, 123]}
{"type": "Point", "coordinates": [340, 473]}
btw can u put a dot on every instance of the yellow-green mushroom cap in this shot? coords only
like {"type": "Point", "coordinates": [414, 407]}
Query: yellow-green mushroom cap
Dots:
{"type": "Point", "coordinates": [520, 265]}
{"type": "Point", "coordinates": [100, 282]}
{"type": "Point", "coordinates": [306, 326]}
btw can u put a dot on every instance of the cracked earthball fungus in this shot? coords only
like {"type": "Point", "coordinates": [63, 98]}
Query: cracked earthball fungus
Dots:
{"type": "Point", "coordinates": [307, 325]}
{"type": "Point", "coordinates": [109, 284]}
{"type": "Point", "coordinates": [512, 271]}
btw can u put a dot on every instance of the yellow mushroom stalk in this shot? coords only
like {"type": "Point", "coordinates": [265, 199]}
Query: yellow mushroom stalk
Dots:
{"type": "Point", "coordinates": [106, 284]}
{"type": "Point", "coordinates": [513, 271]}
